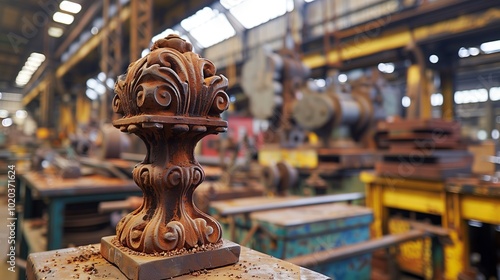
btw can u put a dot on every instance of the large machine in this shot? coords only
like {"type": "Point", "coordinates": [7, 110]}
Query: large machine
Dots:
{"type": "Point", "coordinates": [279, 91]}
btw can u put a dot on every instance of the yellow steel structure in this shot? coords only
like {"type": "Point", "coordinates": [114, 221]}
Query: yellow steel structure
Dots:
{"type": "Point", "coordinates": [439, 198]}
{"type": "Point", "coordinates": [365, 44]}
{"type": "Point", "coordinates": [300, 158]}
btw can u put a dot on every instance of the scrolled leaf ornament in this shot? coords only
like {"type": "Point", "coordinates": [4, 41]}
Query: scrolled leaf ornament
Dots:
{"type": "Point", "coordinates": [171, 99]}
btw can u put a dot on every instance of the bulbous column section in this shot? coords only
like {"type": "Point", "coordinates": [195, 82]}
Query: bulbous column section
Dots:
{"type": "Point", "coordinates": [170, 99]}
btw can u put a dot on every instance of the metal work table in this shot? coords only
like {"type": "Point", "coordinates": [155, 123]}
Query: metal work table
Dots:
{"type": "Point", "coordinates": [454, 200]}
{"type": "Point", "coordinates": [56, 193]}
{"type": "Point", "coordinates": [87, 263]}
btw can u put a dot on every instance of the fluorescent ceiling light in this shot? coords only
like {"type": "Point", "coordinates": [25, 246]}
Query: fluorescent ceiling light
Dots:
{"type": "Point", "coordinates": [342, 78]}
{"type": "Point", "coordinates": [101, 76]}
{"type": "Point", "coordinates": [433, 58]}
{"type": "Point", "coordinates": [70, 7]}
{"type": "Point", "coordinates": [473, 51]}
{"type": "Point", "coordinates": [251, 12]}
{"type": "Point", "coordinates": [463, 52]}
{"type": "Point", "coordinates": [63, 18]}
{"type": "Point", "coordinates": [29, 68]}
{"type": "Point", "coordinates": [436, 99]}
{"type": "Point", "coordinates": [386, 67]}
{"type": "Point", "coordinates": [491, 47]}
{"type": "Point", "coordinates": [406, 101]}
{"type": "Point", "coordinates": [110, 83]}
{"type": "Point", "coordinates": [91, 94]}
{"type": "Point", "coordinates": [33, 63]}
{"type": "Point", "coordinates": [100, 89]}
{"type": "Point", "coordinates": [21, 114]}
{"type": "Point", "coordinates": [37, 56]}
{"type": "Point", "coordinates": [92, 83]}
{"type": "Point", "coordinates": [7, 122]}
{"type": "Point", "coordinates": [55, 32]}
{"type": "Point", "coordinates": [201, 25]}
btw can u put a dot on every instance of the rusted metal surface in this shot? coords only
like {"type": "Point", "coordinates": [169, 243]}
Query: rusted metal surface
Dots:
{"type": "Point", "coordinates": [171, 99]}
{"type": "Point", "coordinates": [428, 149]}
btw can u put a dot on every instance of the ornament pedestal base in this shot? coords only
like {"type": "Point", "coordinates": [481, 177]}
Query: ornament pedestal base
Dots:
{"type": "Point", "coordinates": [139, 267]}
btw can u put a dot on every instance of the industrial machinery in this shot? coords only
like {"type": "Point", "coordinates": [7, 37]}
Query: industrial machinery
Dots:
{"type": "Point", "coordinates": [322, 112]}
{"type": "Point", "coordinates": [272, 80]}
{"type": "Point", "coordinates": [276, 84]}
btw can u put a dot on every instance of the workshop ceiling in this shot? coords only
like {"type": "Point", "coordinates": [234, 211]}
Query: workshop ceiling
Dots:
{"type": "Point", "coordinates": [24, 28]}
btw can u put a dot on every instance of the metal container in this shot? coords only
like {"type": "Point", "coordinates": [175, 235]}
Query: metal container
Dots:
{"type": "Point", "coordinates": [287, 233]}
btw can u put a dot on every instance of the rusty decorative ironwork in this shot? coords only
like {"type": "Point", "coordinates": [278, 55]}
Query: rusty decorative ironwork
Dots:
{"type": "Point", "coordinates": [171, 99]}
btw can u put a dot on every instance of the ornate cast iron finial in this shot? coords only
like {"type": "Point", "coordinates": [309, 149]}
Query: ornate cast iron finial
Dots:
{"type": "Point", "coordinates": [171, 99]}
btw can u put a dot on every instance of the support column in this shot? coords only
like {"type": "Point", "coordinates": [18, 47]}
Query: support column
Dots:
{"type": "Point", "coordinates": [111, 53]}
{"type": "Point", "coordinates": [47, 102]}
{"type": "Point", "coordinates": [447, 90]}
{"type": "Point", "coordinates": [141, 27]}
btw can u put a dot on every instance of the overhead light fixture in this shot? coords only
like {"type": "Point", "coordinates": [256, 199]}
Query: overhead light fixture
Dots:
{"type": "Point", "coordinates": [30, 66]}
{"type": "Point", "coordinates": [70, 7]}
{"type": "Point", "coordinates": [473, 51]}
{"type": "Point", "coordinates": [63, 18]}
{"type": "Point", "coordinates": [91, 94]}
{"type": "Point", "coordinates": [406, 101]}
{"type": "Point", "coordinates": [94, 30]}
{"type": "Point", "coordinates": [386, 67]}
{"type": "Point", "coordinates": [433, 58]}
{"type": "Point", "coordinates": [490, 47]}
{"type": "Point", "coordinates": [21, 114]}
{"type": "Point", "coordinates": [436, 99]}
{"type": "Point", "coordinates": [7, 122]}
{"type": "Point", "coordinates": [101, 76]}
{"type": "Point", "coordinates": [495, 93]}
{"type": "Point", "coordinates": [495, 134]}
{"type": "Point", "coordinates": [471, 96]}
{"type": "Point", "coordinates": [463, 52]}
{"type": "Point", "coordinates": [110, 83]}
{"type": "Point", "coordinates": [100, 89]}
{"type": "Point", "coordinates": [55, 32]}
{"type": "Point", "coordinates": [37, 56]}
{"type": "Point", "coordinates": [342, 78]}
{"type": "Point", "coordinates": [4, 113]}
{"type": "Point", "coordinates": [34, 61]}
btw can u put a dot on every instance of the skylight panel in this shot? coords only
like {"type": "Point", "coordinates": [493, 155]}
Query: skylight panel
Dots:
{"type": "Point", "coordinates": [202, 25]}
{"type": "Point", "coordinates": [251, 13]}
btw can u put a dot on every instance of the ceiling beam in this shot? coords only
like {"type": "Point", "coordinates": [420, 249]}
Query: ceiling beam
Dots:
{"type": "Point", "coordinates": [92, 43]}
{"type": "Point", "coordinates": [78, 29]}
{"type": "Point", "coordinates": [401, 37]}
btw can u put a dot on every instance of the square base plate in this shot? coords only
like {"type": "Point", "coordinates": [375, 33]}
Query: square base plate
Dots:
{"type": "Point", "coordinates": [162, 267]}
